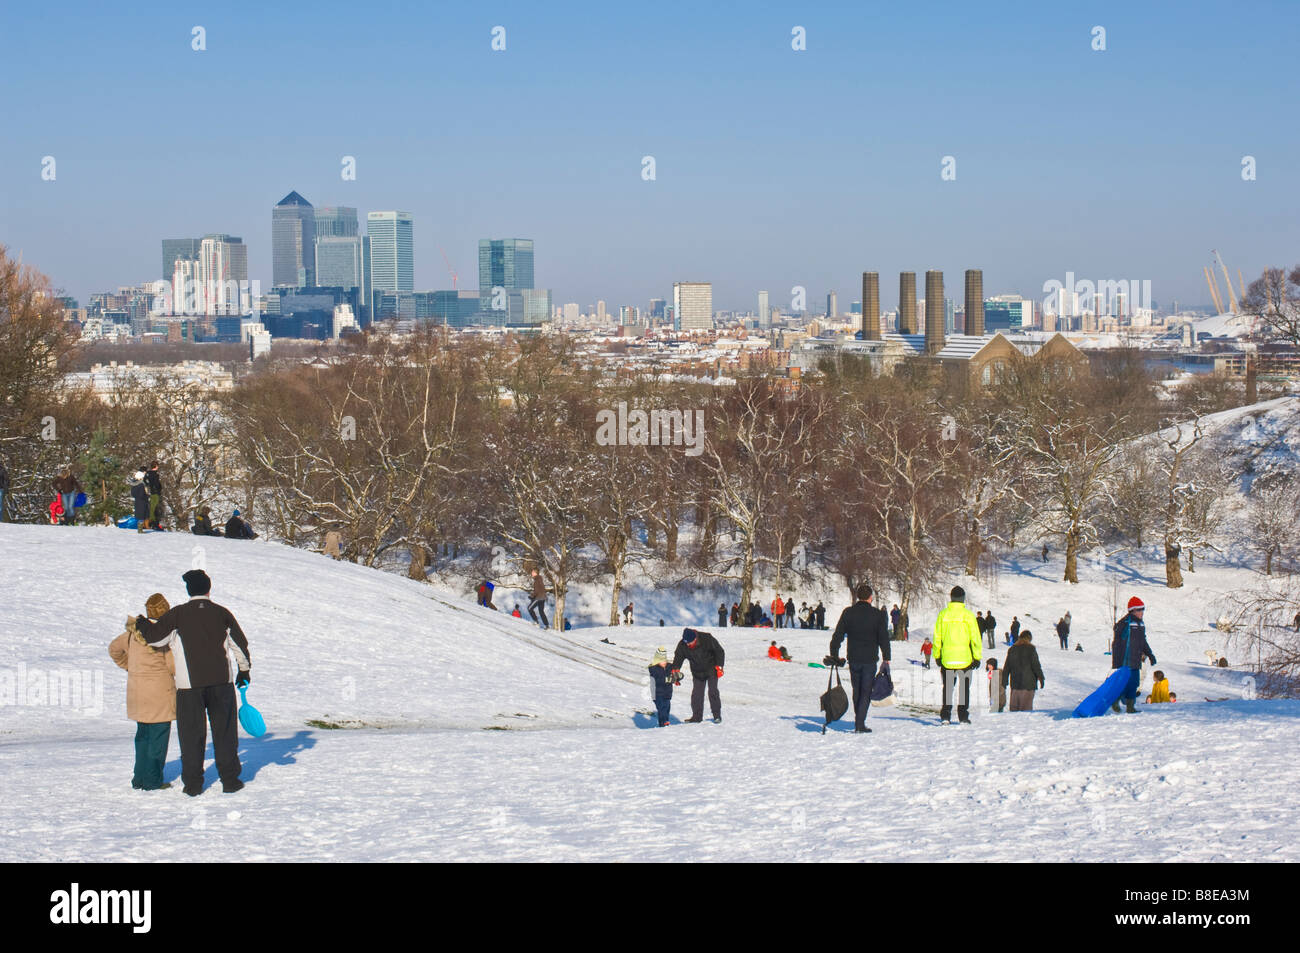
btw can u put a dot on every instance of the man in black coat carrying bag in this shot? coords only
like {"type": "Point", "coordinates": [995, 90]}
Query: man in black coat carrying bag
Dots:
{"type": "Point", "coordinates": [867, 631]}
{"type": "Point", "coordinates": [706, 658]}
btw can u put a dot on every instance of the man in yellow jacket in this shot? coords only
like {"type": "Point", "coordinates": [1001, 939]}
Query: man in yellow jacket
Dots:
{"type": "Point", "coordinates": [957, 649]}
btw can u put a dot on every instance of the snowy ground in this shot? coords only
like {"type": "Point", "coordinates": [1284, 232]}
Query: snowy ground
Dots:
{"type": "Point", "coordinates": [415, 679]}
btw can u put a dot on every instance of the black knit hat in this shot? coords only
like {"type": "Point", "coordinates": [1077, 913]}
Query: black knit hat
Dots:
{"type": "Point", "coordinates": [197, 582]}
{"type": "Point", "coordinates": [958, 594]}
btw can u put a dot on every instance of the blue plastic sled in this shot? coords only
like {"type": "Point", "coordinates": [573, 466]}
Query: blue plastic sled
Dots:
{"type": "Point", "coordinates": [79, 501]}
{"type": "Point", "coordinates": [1105, 696]}
{"type": "Point", "coordinates": [129, 523]}
{"type": "Point", "coordinates": [249, 716]}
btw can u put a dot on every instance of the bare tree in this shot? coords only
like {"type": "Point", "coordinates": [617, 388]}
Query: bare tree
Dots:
{"type": "Point", "coordinates": [1274, 518]}
{"type": "Point", "coordinates": [1275, 298]}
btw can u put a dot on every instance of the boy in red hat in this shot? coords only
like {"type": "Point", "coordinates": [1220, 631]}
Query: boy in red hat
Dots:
{"type": "Point", "coordinates": [1127, 651]}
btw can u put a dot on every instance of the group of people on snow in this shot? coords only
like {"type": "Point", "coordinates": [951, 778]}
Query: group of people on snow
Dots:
{"type": "Point", "coordinates": [178, 670]}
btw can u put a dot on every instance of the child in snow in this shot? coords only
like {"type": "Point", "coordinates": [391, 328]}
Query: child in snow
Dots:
{"type": "Point", "coordinates": [1159, 688]}
{"type": "Point", "coordinates": [1173, 696]}
{"type": "Point", "coordinates": [997, 691]}
{"type": "Point", "coordinates": [517, 614]}
{"type": "Point", "coordinates": [773, 652]}
{"type": "Point", "coordinates": [150, 696]}
{"type": "Point", "coordinates": [927, 647]}
{"type": "Point", "coordinates": [663, 683]}
{"type": "Point", "coordinates": [785, 653]}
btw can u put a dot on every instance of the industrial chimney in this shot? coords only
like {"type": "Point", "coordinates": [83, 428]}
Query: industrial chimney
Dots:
{"type": "Point", "coordinates": [935, 313]}
{"type": "Point", "coordinates": [974, 301]}
{"type": "Point", "coordinates": [870, 306]}
{"type": "Point", "coordinates": [907, 303]}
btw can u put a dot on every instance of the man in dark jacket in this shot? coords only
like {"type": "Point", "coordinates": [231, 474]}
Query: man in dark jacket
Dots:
{"type": "Point", "coordinates": [991, 627]}
{"type": "Point", "coordinates": [1063, 633]}
{"type": "Point", "coordinates": [140, 499]}
{"type": "Point", "coordinates": [203, 523]}
{"type": "Point", "coordinates": [68, 486]}
{"type": "Point", "coordinates": [1015, 629]}
{"type": "Point", "coordinates": [867, 631]}
{"type": "Point", "coordinates": [153, 481]}
{"type": "Point", "coordinates": [722, 615]}
{"type": "Point", "coordinates": [199, 633]}
{"type": "Point", "coordinates": [707, 658]}
{"type": "Point", "coordinates": [1128, 649]}
{"type": "Point", "coordinates": [538, 603]}
{"type": "Point", "coordinates": [238, 528]}
{"type": "Point", "coordinates": [1023, 672]}
{"type": "Point", "coordinates": [820, 614]}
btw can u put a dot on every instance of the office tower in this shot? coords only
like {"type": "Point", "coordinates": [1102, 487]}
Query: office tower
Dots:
{"type": "Point", "coordinates": [974, 301]}
{"type": "Point", "coordinates": [536, 306]}
{"type": "Point", "coordinates": [1008, 313]}
{"type": "Point", "coordinates": [174, 248]}
{"type": "Point", "coordinates": [339, 262]}
{"type": "Point", "coordinates": [657, 308]}
{"type": "Point", "coordinates": [907, 303]}
{"type": "Point", "coordinates": [392, 251]}
{"type": "Point", "coordinates": [764, 315]}
{"type": "Point", "coordinates": [627, 316]}
{"type": "Point", "coordinates": [600, 311]}
{"type": "Point", "coordinates": [832, 305]}
{"type": "Point", "coordinates": [693, 305]}
{"type": "Point", "coordinates": [871, 306]}
{"type": "Point", "coordinates": [336, 222]}
{"type": "Point", "coordinates": [571, 313]}
{"type": "Point", "coordinates": [504, 263]}
{"type": "Point", "coordinates": [934, 312]}
{"type": "Point", "coordinates": [949, 316]}
{"type": "Point", "coordinates": [223, 264]}
{"type": "Point", "coordinates": [293, 241]}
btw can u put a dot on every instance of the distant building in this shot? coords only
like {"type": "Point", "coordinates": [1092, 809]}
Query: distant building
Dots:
{"type": "Point", "coordinates": [572, 313]}
{"type": "Point", "coordinates": [832, 305]}
{"type": "Point", "coordinates": [693, 305]}
{"type": "Point", "coordinates": [392, 251]}
{"type": "Point", "coordinates": [1008, 313]}
{"type": "Point", "coordinates": [764, 313]}
{"type": "Point", "coordinates": [339, 261]}
{"type": "Point", "coordinates": [337, 222]}
{"type": "Point", "coordinates": [177, 248]}
{"type": "Point", "coordinates": [658, 307]}
{"type": "Point", "coordinates": [293, 242]}
{"type": "Point", "coordinates": [504, 263]}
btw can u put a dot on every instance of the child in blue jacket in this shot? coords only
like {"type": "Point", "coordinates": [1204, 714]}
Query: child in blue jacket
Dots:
{"type": "Point", "coordinates": [663, 683]}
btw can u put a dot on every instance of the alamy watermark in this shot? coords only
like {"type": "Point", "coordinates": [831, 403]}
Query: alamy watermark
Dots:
{"type": "Point", "coordinates": [57, 688]}
{"type": "Point", "coordinates": [654, 428]}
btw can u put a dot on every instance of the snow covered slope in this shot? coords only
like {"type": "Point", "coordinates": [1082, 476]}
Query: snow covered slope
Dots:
{"type": "Point", "coordinates": [413, 679]}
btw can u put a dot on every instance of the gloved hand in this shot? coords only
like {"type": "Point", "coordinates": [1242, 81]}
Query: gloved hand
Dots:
{"type": "Point", "coordinates": [140, 621]}
{"type": "Point", "coordinates": [1042, 683]}
{"type": "Point", "coordinates": [243, 677]}
{"type": "Point", "coordinates": [1153, 660]}
{"type": "Point", "coordinates": [973, 665]}
{"type": "Point", "coordinates": [719, 670]}
{"type": "Point", "coordinates": [828, 661]}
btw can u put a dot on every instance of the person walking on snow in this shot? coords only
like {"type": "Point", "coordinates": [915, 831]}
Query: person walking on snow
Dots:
{"type": "Point", "coordinates": [991, 624]}
{"type": "Point", "coordinates": [1063, 633]}
{"type": "Point", "coordinates": [958, 649]}
{"type": "Point", "coordinates": [778, 610]}
{"type": "Point", "coordinates": [894, 616]}
{"type": "Point", "coordinates": [1015, 628]}
{"type": "Point", "coordinates": [627, 614]}
{"type": "Point", "coordinates": [722, 615]}
{"type": "Point", "coordinates": [1128, 649]}
{"type": "Point", "coordinates": [538, 603]}
{"type": "Point", "coordinates": [867, 631]}
{"type": "Point", "coordinates": [707, 658]}
{"type": "Point", "coordinates": [663, 684]}
{"type": "Point", "coordinates": [820, 613]}
{"type": "Point", "coordinates": [68, 486]}
{"type": "Point", "coordinates": [926, 648]}
{"type": "Point", "coordinates": [1023, 673]}
{"type": "Point", "coordinates": [200, 632]}
{"type": "Point", "coordinates": [153, 481]}
{"type": "Point", "coordinates": [150, 696]}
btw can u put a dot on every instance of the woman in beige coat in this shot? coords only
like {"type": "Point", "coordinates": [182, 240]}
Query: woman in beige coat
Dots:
{"type": "Point", "coordinates": [150, 696]}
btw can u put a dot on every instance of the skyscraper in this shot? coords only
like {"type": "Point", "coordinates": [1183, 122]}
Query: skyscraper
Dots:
{"type": "Point", "coordinates": [693, 305]}
{"type": "Point", "coordinates": [504, 263]}
{"type": "Point", "coordinates": [174, 248]}
{"type": "Point", "coordinates": [339, 263]}
{"type": "Point", "coordinates": [764, 315]}
{"type": "Point", "coordinates": [293, 242]}
{"type": "Point", "coordinates": [336, 222]}
{"type": "Point", "coordinates": [392, 251]}
{"type": "Point", "coordinates": [832, 305]}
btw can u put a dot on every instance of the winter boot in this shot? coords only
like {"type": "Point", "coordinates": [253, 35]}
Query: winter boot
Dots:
{"type": "Point", "coordinates": [232, 786]}
{"type": "Point", "coordinates": [1115, 707]}
{"type": "Point", "coordinates": [1129, 706]}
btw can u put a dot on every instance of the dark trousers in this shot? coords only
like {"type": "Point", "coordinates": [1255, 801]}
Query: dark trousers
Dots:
{"type": "Point", "coordinates": [697, 696]}
{"type": "Point", "coordinates": [1065, 641]}
{"type": "Point", "coordinates": [956, 681]}
{"type": "Point", "coordinates": [722, 620]}
{"type": "Point", "coordinates": [1131, 689]}
{"type": "Point", "coordinates": [151, 740]}
{"type": "Point", "coordinates": [661, 706]}
{"type": "Point", "coordinates": [195, 709]}
{"type": "Point", "coordinates": [861, 677]}
{"type": "Point", "coordinates": [536, 607]}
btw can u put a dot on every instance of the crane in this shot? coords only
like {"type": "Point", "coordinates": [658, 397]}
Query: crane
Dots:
{"type": "Point", "coordinates": [1232, 295]}
{"type": "Point", "coordinates": [449, 268]}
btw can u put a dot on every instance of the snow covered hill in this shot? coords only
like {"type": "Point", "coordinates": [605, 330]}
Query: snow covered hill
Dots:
{"type": "Point", "coordinates": [408, 724]}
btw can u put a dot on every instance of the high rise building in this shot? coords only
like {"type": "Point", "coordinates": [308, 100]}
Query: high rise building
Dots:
{"type": "Point", "coordinates": [392, 251]}
{"type": "Point", "coordinates": [504, 263]}
{"type": "Point", "coordinates": [934, 312]}
{"type": "Point", "coordinates": [293, 242]}
{"type": "Point", "coordinates": [174, 248]}
{"type": "Point", "coordinates": [336, 222]}
{"type": "Point", "coordinates": [600, 311]}
{"type": "Point", "coordinates": [222, 276]}
{"type": "Point", "coordinates": [871, 306]}
{"type": "Point", "coordinates": [764, 314]}
{"type": "Point", "coordinates": [949, 316]}
{"type": "Point", "coordinates": [339, 262]}
{"type": "Point", "coordinates": [693, 305]}
{"type": "Point", "coordinates": [907, 323]}
{"type": "Point", "coordinates": [832, 305]}
{"type": "Point", "coordinates": [571, 313]}
{"type": "Point", "coordinates": [657, 308]}
{"type": "Point", "coordinates": [974, 323]}
{"type": "Point", "coordinates": [1007, 313]}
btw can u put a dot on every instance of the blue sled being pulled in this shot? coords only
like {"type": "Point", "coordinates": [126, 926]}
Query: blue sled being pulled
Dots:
{"type": "Point", "coordinates": [1105, 696]}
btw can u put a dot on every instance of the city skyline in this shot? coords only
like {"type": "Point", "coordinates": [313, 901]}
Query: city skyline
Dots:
{"type": "Point", "coordinates": [1103, 166]}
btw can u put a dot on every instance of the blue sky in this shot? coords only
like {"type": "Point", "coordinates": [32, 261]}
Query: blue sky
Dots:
{"type": "Point", "coordinates": [774, 168]}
